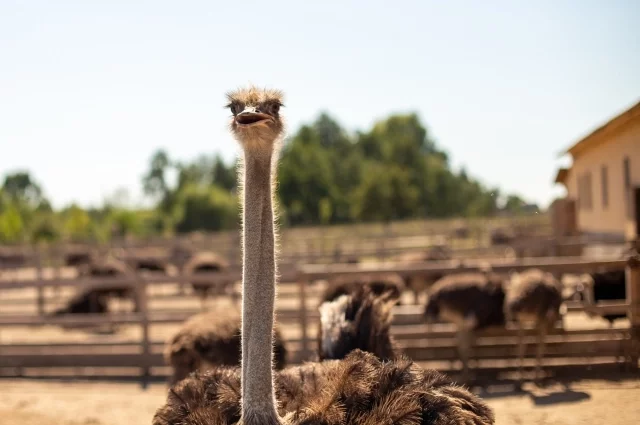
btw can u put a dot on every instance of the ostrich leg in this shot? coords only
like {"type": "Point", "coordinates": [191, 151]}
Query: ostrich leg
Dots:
{"type": "Point", "coordinates": [521, 352]}
{"type": "Point", "coordinates": [542, 334]}
{"type": "Point", "coordinates": [465, 342]}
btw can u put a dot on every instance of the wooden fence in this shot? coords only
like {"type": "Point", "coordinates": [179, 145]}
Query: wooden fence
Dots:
{"type": "Point", "coordinates": [318, 244]}
{"type": "Point", "coordinates": [433, 345]}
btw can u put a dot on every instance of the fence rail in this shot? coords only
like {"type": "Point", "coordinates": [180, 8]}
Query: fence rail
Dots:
{"type": "Point", "coordinates": [434, 343]}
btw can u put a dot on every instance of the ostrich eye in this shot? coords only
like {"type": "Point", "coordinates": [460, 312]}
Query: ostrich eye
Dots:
{"type": "Point", "coordinates": [236, 108]}
{"type": "Point", "coordinates": [272, 108]}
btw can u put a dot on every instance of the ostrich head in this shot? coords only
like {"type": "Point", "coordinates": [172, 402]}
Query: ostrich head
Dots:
{"type": "Point", "coordinates": [256, 121]}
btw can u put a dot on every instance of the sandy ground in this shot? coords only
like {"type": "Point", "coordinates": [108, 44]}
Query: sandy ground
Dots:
{"type": "Point", "coordinates": [26, 402]}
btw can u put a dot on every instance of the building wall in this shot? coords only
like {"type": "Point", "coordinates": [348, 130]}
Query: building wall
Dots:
{"type": "Point", "coordinates": [617, 217]}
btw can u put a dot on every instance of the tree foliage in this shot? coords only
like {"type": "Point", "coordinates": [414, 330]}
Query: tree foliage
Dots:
{"type": "Point", "coordinates": [393, 171]}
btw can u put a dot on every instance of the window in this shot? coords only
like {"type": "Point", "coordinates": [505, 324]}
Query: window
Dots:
{"type": "Point", "coordinates": [626, 174]}
{"type": "Point", "coordinates": [604, 182]}
{"type": "Point", "coordinates": [585, 200]}
{"type": "Point", "coordinates": [580, 192]}
{"type": "Point", "coordinates": [589, 190]}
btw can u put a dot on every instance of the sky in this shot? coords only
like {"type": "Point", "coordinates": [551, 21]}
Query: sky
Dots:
{"type": "Point", "coordinates": [89, 90]}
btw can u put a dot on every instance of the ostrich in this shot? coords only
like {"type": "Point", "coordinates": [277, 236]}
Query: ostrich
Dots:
{"type": "Point", "coordinates": [599, 286]}
{"type": "Point", "coordinates": [360, 319]}
{"type": "Point", "coordinates": [359, 389]}
{"type": "Point", "coordinates": [88, 301]}
{"type": "Point", "coordinates": [470, 300]}
{"type": "Point", "coordinates": [206, 262]}
{"type": "Point", "coordinates": [533, 296]}
{"type": "Point", "coordinates": [77, 258]}
{"type": "Point", "coordinates": [150, 264]}
{"type": "Point", "coordinates": [480, 300]}
{"type": "Point", "coordinates": [379, 283]}
{"type": "Point", "coordinates": [210, 339]}
{"type": "Point", "coordinates": [419, 283]}
{"type": "Point", "coordinates": [95, 298]}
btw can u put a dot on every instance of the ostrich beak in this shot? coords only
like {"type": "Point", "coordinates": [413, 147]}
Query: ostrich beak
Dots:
{"type": "Point", "coordinates": [250, 115]}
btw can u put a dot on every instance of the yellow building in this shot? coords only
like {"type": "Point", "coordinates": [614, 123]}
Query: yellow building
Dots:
{"type": "Point", "coordinates": [603, 182]}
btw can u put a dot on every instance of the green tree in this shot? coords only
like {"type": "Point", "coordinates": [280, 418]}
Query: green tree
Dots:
{"type": "Point", "coordinates": [154, 182]}
{"type": "Point", "coordinates": [208, 208]}
{"type": "Point", "coordinates": [12, 227]}
{"type": "Point", "coordinates": [306, 179]}
{"type": "Point", "coordinates": [384, 194]}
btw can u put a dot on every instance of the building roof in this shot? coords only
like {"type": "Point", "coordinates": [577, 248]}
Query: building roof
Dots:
{"type": "Point", "coordinates": [561, 175]}
{"type": "Point", "coordinates": [602, 133]}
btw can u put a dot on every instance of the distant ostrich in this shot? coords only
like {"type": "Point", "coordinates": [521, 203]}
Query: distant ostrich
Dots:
{"type": "Point", "coordinates": [359, 389]}
{"type": "Point", "coordinates": [470, 300]}
{"type": "Point", "coordinates": [12, 259]}
{"type": "Point", "coordinates": [150, 264]}
{"type": "Point", "coordinates": [78, 258]}
{"type": "Point", "coordinates": [483, 299]}
{"type": "Point", "coordinates": [360, 319]}
{"type": "Point", "coordinates": [86, 302]}
{"type": "Point", "coordinates": [461, 232]}
{"type": "Point", "coordinates": [604, 286]}
{"type": "Point", "coordinates": [500, 236]}
{"type": "Point", "coordinates": [379, 283]}
{"type": "Point", "coordinates": [95, 298]}
{"type": "Point", "coordinates": [419, 283]}
{"type": "Point", "coordinates": [207, 262]}
{"type": "Point", "coordinates": [533, 296]}
{"type": "Point", "coordinates": [211, 339]}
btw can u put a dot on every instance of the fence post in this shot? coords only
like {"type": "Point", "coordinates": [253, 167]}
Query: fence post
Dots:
{"type": "Point", "coordinates": [302, 291]}
{"type": "Point", "coordinates": [141, 292]}
{"type": "Point", "coordinates": [40, 279]}
{"type": "Point", "coordinates": [633, 295]}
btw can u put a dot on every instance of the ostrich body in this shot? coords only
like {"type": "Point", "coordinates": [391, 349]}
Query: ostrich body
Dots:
{"type": "Point", "coordinates": [206, 262]}
{"type": "Point", "coordinates": [378, 283]}
{"type": "Point", "coordinates": [95, 298]}
{"type": "Point", "coordinates": [472, 301]}
{"type": "Point", "coordinates": [533, 296]}
{"type": "Point", "coordinates": [210, 339]}
{"type": "Point", "coordinates": [419, 283]}
{"type": "Point", "coordinates": [359, 319]}
{"type": "Point", "coordinates": [479, 300]}
{"type": "Point", "coordinates": [599, 286]}
{"type": "Point", "coordinates": [355, 313]}
{"type": "Point", "coordinates": [358, 389]}
{"type": "Point", "coordinates": [86, 302]}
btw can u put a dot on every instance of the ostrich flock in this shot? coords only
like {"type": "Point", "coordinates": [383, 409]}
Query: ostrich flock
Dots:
{"type": "Point", "coordinates": [230, 367]}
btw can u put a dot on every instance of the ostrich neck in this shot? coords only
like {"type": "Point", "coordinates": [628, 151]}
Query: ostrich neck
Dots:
{"type": "Point", "coordinates": [258, 287]}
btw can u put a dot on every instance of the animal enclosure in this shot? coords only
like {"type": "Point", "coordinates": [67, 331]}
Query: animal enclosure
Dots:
{"type": "Point", "coordinates": [32, 343]}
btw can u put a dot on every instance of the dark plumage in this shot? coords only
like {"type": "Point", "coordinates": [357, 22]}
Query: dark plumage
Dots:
{"type": "Point", "coordinates": [358, 390]}
{"type": "Point", "coordinates": [12, 259]}
{"type": "Point", "coordinates": [359, 319]}
{"type": "Point", "coordinates": [471, 301]}
{"type": "Point", "coordinates": [533, 296]}
{"type": "Point", "coordinates": [79, 258]}
{"type": "Point", "coordinates": [417, 283]}
{"type": "Point", "coordinates": [150, 264]}
{"type": "Point", "coordinates": [88, 301]}
{"type": "Point", "coordinates": [379, 283]}
{"type": "Point", "coordinates": [209, 339]}
{"type": "Point", "coordinates": [206, 262]}
{"type": "Point", "coordinates": [95, 298]}
{"type": "Point", "coordinates": [606, 286]}
{"type": "Point", "coordinates": [475, 298]}
{"type": "Point", "coordinates": [501, 236]}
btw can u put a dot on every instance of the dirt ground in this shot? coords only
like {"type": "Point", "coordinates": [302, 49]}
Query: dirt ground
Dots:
{"type": "Point", "coordinates": [27, 402]}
